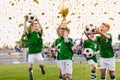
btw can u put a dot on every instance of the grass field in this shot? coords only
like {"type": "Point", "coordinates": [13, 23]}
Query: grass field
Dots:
{"type": "Point", "coordinates": [20, 72]}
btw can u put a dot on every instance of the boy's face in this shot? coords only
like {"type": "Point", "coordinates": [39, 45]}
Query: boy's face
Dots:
{"type": "Point", "coordinates": [104, 29]}
{"type": "Point", "coordinates": [61, 32]}
{"type": "Point", "coordinates": [34, 27]}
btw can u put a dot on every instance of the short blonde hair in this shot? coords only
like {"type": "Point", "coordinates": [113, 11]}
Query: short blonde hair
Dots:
{"type": "Point", "coordinates": [67, 29]}
{"type": "Point", "coordinates": [107, 25]}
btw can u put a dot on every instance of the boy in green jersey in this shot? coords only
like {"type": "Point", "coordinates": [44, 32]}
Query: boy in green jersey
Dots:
{"type": "Point", "coordinates": [66, 53]}
{"type": "Point", "coordinates": [35, 44]}
{"type": "Point", "coordinates": [57, 44]}
{"type": "Point", "coordinates": [93, 60]}
{"type": "Point", "coordinates": [107, 60]}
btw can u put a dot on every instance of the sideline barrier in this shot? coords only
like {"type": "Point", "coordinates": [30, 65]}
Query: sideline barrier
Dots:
{"type": "Point", "coordinates": [12, 58]}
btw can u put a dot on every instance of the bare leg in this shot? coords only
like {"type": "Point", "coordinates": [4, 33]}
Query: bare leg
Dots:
{"type": "Point", "coordinates": [30, 70]}
{"type": "Point", "coordinates": [41, 65]}
{"type": "Point", "coordinates": [112, 75]}
{"type": "Point", "coordinates": [93, 72]}
{"type": "Point", "coordinates": [103, 74]}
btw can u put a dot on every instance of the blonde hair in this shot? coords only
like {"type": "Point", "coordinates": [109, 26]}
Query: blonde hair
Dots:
{"type": "Point", "coordinates": [107, 25]}
{"type": "Point", "coordinates": [67, 29]}
{"type": "Point", "coordinates": [32, 25]}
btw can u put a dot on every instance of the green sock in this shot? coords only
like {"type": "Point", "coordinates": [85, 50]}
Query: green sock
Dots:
{"type": "Point", "coordinates": [102, 78]}
{"type": "Point", "coordinates": [93, 74]}
{"type": "Point", "coordinates": [30, 74]}
{"type": "Point", "coordinates": [113, 77]}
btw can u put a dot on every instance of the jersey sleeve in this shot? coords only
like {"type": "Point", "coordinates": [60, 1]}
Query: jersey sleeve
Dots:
{"type": "Point", "coordinates": [70, 41]}
{"type": "Point", "coordinates": [40, 34]}
{"type": "Point", "coordinates": [85, 44]}
{"type": "Point", "coordinates": [110, 36]}
{"type": "Point", "coordinates": [55, 43]}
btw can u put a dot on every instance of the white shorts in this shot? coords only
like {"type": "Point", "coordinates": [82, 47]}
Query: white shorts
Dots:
{"type": "Point", "coordinates": [66, 66]}
{"type": "Point", "coordinates": [107, 63]}
{"type": "Point", "coordinates": [33, 57]}
{"type": "Point", "coordinates": [58, 63]}
{"type": "Point", "coordinates": [91, 62]}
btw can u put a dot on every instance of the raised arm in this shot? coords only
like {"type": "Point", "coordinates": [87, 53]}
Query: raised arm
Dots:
{"type": "Point", "coordinates": [25, 28]}
{"type": "Point", "coordinates": [66, 36]}
{"type": "Point", "coordinates": [90, 37]}
{"type": "Point", "coordinates": [103, 34]}
{"type": "Point", "coordinates": [41, 29]}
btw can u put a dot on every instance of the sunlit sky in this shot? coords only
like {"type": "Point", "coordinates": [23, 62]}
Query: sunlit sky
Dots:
{"type": "Point", "coordinates": [81, 12]}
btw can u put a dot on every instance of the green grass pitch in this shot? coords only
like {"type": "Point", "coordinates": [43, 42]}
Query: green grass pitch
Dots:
{"type": "Point", "coordinates": [20, 72]}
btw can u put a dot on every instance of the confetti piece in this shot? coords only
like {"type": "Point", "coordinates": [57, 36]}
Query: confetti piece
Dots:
{"type": "Point", "coordinates": [58, 16]}
{"type": "Point", "coordinates": [43, 13]}
{"type": "Point", "coordinates": [20, 24]}
{"type": "Point", "coordinates": [105, 12]}
{"type": "Point", "coordinates": [46, 27]}
{"type": "Point", "coordinates": [73, 14]}
{"type": "Point", "coordinates": [53, 4]}
{"type": "Point", "coordinates": [78, 16]}
{"type": "Point", "coordinates": [114, 2]}
{"type": "Point", "coordinates": [92, 13]}
{"type": "Point", "coordinates": [118, 12]}
{"type": "Point", "coordinates": [37, 1]}
{"type": "Point", "coordinates": [83, 5]}
{"type": "Point", "coordinates": [82, 33]}
{"type": "Point", "coordinates": [95, 4]}
{"type": "Point", "coordinates": [111, 18]}
{"type": "Point", "coordinates": [12, 4]}
{"type": "Point", "coordinates": [10, 18]}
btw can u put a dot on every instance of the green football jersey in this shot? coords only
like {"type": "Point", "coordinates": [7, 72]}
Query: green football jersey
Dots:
{"type": "Point", "coordinates": [35, 42]}
{"type": "Point", "coordinates": [93, 45]}
{"type": "Point", "coordinates": [106, 49]}
{"type": "Point", "coordinates": [58, 43]}
{"type": "Point", "coordinates": [66, 52]}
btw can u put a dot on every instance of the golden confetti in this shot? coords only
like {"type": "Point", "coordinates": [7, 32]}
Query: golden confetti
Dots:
{"type": "Point", "coordinates": [58, 16]}
{"type": "Point", "coordinates": [53, 4]}
{"type": "Point", "coordinates": [10, 18]}
{"type": "Point", "coordinates": [20, 24]}
{"type": "Point", "coordinates": [12, 4]}
{"type": "Point", "coordinates": [46, 27]}
{"type": "Point", "coordinates": [105, 12]}
{"type": "Point", "coordinates": [43, 13]}
{"type": "Point", "coordinates": [95, 4]}
{"type": "Point", "coordinates": [26, 16]}
{"type": "Point", "coordinates": [37, 1]}
{"type": "Point", "coordinates": [92, 13]}
{"type": "Point", "coordinates": [114, 2]}
{"type": "Point", "coordinates": [73, 14]}
{"type": "Point", "coordinates": [82, 34]}
{"type": "Point", "coordinates": [78, 16]}
{"type": "Point", "coordinates": [83, 5]}
{"type": "Point", "coordinates": [111, 18]}
{"type": "Point", "coordinates": [118, 12]}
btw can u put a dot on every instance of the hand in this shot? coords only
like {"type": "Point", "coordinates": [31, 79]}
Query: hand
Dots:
{"type": "Point", "coordinates": [26, 18]}
{"type": "Point", "coordinates": [66, 36]}
{"type": "Point", "coordinates": [85, 33]}
{"type": "Point", "coordinates": [97, 31]}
